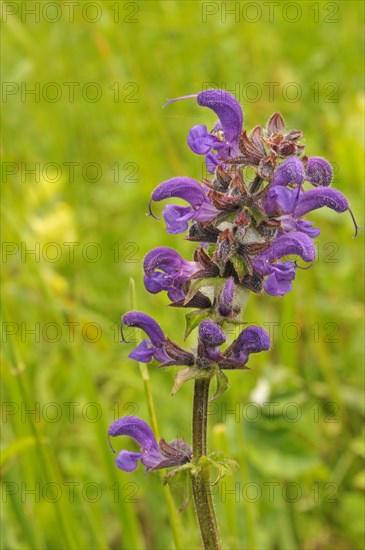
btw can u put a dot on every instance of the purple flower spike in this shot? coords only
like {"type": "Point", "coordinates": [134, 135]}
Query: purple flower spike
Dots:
{"type": "Point", "coordinates": [251, 340]}
{"type": "Point", "coordinates": [294, 242]}
{"type": "Point", "coordinates": [319, 197]}
{"type": "Point", "coordinates": [152, 455]}
{"type": "Point", "coordinates": [147, 349]}
{"type": "Point", "coordinates": [227, 109]}
{"type": "Point", "coordinates": [225, 300]}
{"type": "Point", "coordinates": [211, 336]}
{"type": "Point", "coordinates": [319, 171]}
{"type": "Point", "coordinates": [188, 189]}
{"type": "Point", "coordinates": [166, 270]}
{"type": "Point", "coordinates": [290, 171]}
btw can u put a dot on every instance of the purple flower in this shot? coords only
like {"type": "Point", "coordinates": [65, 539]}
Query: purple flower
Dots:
{"type": "Point", "coordinates": [251, 340]}
{"type": "Point", "coordinates": [228, 110]}
{"type": "Point", "coordinates": [224, 138]}
{"type": "Point", "coordinates": [177, 217]}
{"type": "Point", "coordinates": [291, 171]}
{"type": "Point", "coordinates": [211, 336]}
{"type": "Point", "coordinates": [166, 270]}
{"type": "Point", "coordinates": [319, 171]}
{"type": "Point", "coordinates": [292, 204]}
{"type": "Point", "coordinates": [158, 346]}
{"type": "Point", "coordinates": [154, 346]}
{"type": "Point", "coordinates": [281, 274]}
{"type": "Point", "coordinates": [294, 242]}
{"type": "Point", "coordinates": [153, 456]}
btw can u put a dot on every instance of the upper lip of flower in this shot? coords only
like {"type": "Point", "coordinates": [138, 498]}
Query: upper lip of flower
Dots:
{"type": "Point", "coordinates": [251, 340]}
{"type": "Point", "coordinates": [225, 106]}
{"type": "Point", "coordinates": [230, 115]}
{"type": "Point", "coordinates": [190, 190]}
{"type": "Point", "coordinates": [319, 197]}
{"type": "Point", "coordinates": [143, 321]}
{"type": "Point", "coordinates": [295, 242]}
{"type": "Point", "coordinates": [227, 109]}
{"type": "Point", "coordinates": [165, 269]}
{"type": "Point", "coordinates": [162, 349]}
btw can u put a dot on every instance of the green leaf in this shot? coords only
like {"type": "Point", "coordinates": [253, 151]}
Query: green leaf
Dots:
{"type": "Point", "coordinates": [222, 385]}
{"type": "Point", "coordinates": [239, 266]}
{"type": "Point", "coordinates": [221, 462]}
{"type": "Point", "coordinates": [173, 474]}
{"type": "Point", "coordinates": [179, 479]}
{"type": "Point", "coordinates": [190, 373]}
{"type": "Point", "coordinates": [212, 283]}
{"type": "Point", "coordinates": [193, 319]}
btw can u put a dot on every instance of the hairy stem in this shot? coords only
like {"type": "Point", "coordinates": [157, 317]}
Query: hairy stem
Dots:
{"type": "Point", "coordinates": [200, 481]}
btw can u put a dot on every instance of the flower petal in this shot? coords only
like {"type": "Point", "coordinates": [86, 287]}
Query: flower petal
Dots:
{"type": "Point", "coordinates": [228, 110]}
{"type": "Point", "coordinates": [137, 428]}
{"type": "Point", "coordinates": [280, 200]}
{"type": "Point", "coordinates": [319, 171]}
{"type": "Point", "coordinates": [211, 161]}
{"type": "Point", "coordinates": [294, 242]}
{"type": "Point", "coordinates": [127, 460]}
{"type": "Point", "coordinates": [200, 140]}
{"type": "Point", "coordinates": [288, 223]}
{"type": "Point", "coordinates": [210, 334]}
{"type": "Point", "coordinates": [163, 258]}
{"type": "Point", "coordinates": [181, 187]}
{"type": "Point", "coordinates": [147, 324]}
{"type": "Point", "coordinates": [144, 352]}
{"type": "Point", "coordinates": [319, 197]}
{"type": "Point", "coordinates": [152, 459]}
{"type": "Point", "coordinates": [251, 340]}
{"type": "Point", "coordinates": [279, 282]}
{"type": "Point", "coordinates": [177, 218]}
{"type": "Point", "coordinates": [290, 171]}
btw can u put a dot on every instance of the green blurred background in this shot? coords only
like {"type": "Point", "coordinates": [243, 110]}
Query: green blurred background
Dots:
{"type": "Point", "coordinates": [98, 142]}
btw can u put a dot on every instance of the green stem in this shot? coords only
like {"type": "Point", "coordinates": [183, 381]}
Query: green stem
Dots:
{"type": "Point", "coordinates": [200, 480]}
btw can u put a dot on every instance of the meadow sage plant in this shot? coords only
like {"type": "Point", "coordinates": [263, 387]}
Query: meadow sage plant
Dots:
{"type": "Point", "coordinates": [245, 230]}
